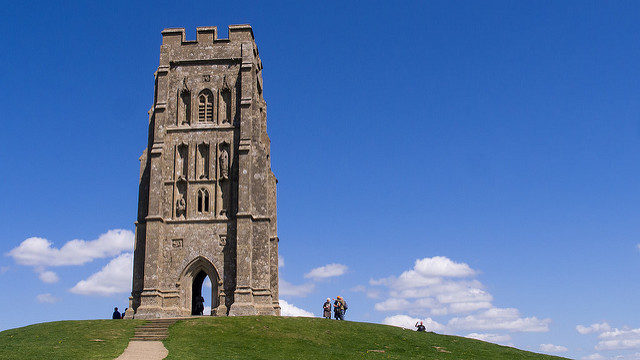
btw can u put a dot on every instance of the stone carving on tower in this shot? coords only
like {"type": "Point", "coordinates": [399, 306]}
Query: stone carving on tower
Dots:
{"type": "Point", "coordinates": [207, 195]}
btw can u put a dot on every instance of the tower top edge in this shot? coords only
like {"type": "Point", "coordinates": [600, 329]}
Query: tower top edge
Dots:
{"type": "Point", "coordinates": [207, 35]}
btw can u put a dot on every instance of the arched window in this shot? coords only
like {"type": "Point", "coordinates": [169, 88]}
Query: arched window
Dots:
{"type": "Point", "coordinates": [205, 106]}
{"type": "Point", "coordinates": [203, 201]}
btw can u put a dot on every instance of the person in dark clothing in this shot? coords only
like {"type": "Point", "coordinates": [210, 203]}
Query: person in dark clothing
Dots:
{"type": "Point", "coordinates": [344, 306]}
{"type": "Point", "coordinates": [199, 305]}
{"type": "Point", "coordinates": [326, 309]}
{"type": "Point", "coordinates": [421, 326]}
{"type": "Point", "coordinates": [337, 310]}
{"type": "Point", "coordinates": [116, 314]}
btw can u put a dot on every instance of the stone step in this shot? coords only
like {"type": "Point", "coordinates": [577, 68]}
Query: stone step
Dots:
{"type": "Point", "coordinates": [152, 327]}
{"type": "Point", "coordinates": [153, 330]}
{"type": "Point", "coordinates": [151, 333]}
{"type": "Point", "coordinates": [148, 338]}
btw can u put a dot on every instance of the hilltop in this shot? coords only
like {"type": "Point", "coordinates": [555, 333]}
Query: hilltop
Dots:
{"type": "Point", "coordinates": [253, 337]}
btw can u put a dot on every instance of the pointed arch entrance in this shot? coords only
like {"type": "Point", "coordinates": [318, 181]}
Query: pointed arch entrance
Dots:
{"type": "Point", "coordinates": [192, 281]}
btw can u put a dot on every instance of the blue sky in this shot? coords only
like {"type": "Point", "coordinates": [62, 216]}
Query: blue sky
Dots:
{"type": "Point", "coordinates": [496, 143]}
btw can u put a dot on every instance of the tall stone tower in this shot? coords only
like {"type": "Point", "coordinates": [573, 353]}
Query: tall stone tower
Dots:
{"type": "Point", "coordinates": [207, 200]}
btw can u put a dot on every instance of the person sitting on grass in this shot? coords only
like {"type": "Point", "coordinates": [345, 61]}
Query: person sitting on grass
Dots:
{"type": "Point", "coordinates": [116, 314]}
{"type": "Point", "coordinates": [421, 326]}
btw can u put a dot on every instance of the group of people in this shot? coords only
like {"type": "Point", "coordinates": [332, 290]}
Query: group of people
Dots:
{"type": "Point", "coordinates": [117, 314]}
{"type": "Point", "coordinates": [339, 308]}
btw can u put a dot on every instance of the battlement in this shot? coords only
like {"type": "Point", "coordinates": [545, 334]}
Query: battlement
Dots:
{"type": "Point", "coordinates": [206, 35]}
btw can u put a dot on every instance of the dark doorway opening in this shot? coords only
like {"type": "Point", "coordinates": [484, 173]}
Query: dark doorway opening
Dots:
{"type": "Point", "coordinates": [198, 300]}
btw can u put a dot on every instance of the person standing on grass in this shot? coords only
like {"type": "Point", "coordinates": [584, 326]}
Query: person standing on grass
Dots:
{"type": "Point", "coordinates": [116, 314]}
{"type": "Point", "coordinates": [344, 306]}
{"type": "Point", "coordinates": [326, 309]}
{"type": "Point", "coordinates": [337, 309]}
{"type": "Point", "coordinates": [421, 326]}
{"type": "Point", "coordinates": [199, 305]}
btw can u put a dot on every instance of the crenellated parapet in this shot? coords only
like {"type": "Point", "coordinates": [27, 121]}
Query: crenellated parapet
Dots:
{"type": "Point", "coordinates": [207, 46]}
{"type": "Point", "coordinates": [206, 35]}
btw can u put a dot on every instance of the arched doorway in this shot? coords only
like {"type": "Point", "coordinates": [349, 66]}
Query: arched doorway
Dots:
{"type": "Point", "coordinates": [201, 287]}
{"type": "Point", "coordinates": [198, 297]}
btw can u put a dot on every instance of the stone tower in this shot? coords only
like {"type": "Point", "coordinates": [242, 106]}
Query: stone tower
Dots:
{"type": "Point", "coordinates": [207, 198]}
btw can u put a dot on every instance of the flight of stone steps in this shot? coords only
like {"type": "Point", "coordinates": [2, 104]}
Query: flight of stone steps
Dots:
{"type": "Point", "coordinates": [153, 330]}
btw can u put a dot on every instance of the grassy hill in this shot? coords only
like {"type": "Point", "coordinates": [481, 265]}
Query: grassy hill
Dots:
{"type": "Point", "coordinates": [251, 338]}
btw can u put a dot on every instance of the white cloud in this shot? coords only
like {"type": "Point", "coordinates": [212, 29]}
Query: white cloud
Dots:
{"type": "Point", "coordinates": [488, 337]}
{"type": "Point", "coordinates": [438, 286]}
{"type": "Point", "coordinates": [619, 339]}
{"type": "Point", "coordinates": [207, 283]}
{"type": "Point", "coordinates": [408, 322]}
{"type": "Point", "coordinates": [440, 266]}
{"type": "Point", "coordinates": [508, 319]}
{"type": "Point", "coordinates": [48, 277]}
{"type": "Point", "coordinates": [370, 293]}
{"type": "Point", "coordinates": [323, 272]}
{"type": "Point", "coordinates": [286, 288]}
{"type": "Point", "coordinates": [550, 348]}
{"type": "Point", "coordinates": [373, 294]}
{"type": "Point", "coordinates": [113, 278]}
{"type": "Point", "coordinates": [392, 304]}
{"type": "Point", "coordinates": [280, 261]}
{"type": "Point", "coordinates": [595, 356]}
{"type": "Point", "coordinates": [464, 307]}
{"type": "Point", "coordinates": [593, 328]}
{"type": "Point", "coordinates": [287, 309]}
{"type": "Point", "coordinates": [436, 283]}
{"type": "Point", "coordinates": [36, 251]}
{"type": "Point", "coordinates": [47, 298]}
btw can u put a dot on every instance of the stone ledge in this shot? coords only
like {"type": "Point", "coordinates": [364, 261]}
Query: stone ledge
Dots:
{"type": "Point", "coordinates": [224, 127]}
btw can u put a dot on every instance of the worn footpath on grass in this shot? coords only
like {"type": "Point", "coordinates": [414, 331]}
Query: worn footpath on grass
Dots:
{"type": "Point", "coordinates": [144, 350]}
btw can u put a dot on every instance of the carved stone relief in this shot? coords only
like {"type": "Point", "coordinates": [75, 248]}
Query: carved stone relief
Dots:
{"type": "Point", "coordinates": [224, 161]}
{"type": "Point", "coordinates": [184, 104]}
{"type": "Point", "coordinates": [181, 203]}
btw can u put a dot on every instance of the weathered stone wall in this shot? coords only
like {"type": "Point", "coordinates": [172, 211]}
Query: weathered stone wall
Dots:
{"type": "Point", "coordinates": [207, 200]}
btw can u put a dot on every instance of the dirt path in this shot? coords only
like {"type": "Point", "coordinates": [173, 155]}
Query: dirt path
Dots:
{"type": "Point", "coordinates": [144, 350]}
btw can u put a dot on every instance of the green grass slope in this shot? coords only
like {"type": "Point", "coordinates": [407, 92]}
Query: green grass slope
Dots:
{"type": "Point", "coordinates": [88, 339]}
{"type": "Point", "coordinates": [255, 337]}
{"type": "Point", "coordinates": [312, 338]}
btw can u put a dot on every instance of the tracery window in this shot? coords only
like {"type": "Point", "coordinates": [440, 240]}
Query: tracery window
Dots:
{"type": "Point", "coordinates": [205, 106]}
{"type": "Point", "coordinates": [203, 201]}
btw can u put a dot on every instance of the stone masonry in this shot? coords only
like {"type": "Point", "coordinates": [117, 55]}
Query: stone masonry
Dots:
{"type": "Point", "coordinates": [207, 196]}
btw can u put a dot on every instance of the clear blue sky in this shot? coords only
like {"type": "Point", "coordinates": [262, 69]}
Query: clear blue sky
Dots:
{"type": "Point", "coordinates": [500, 135]}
